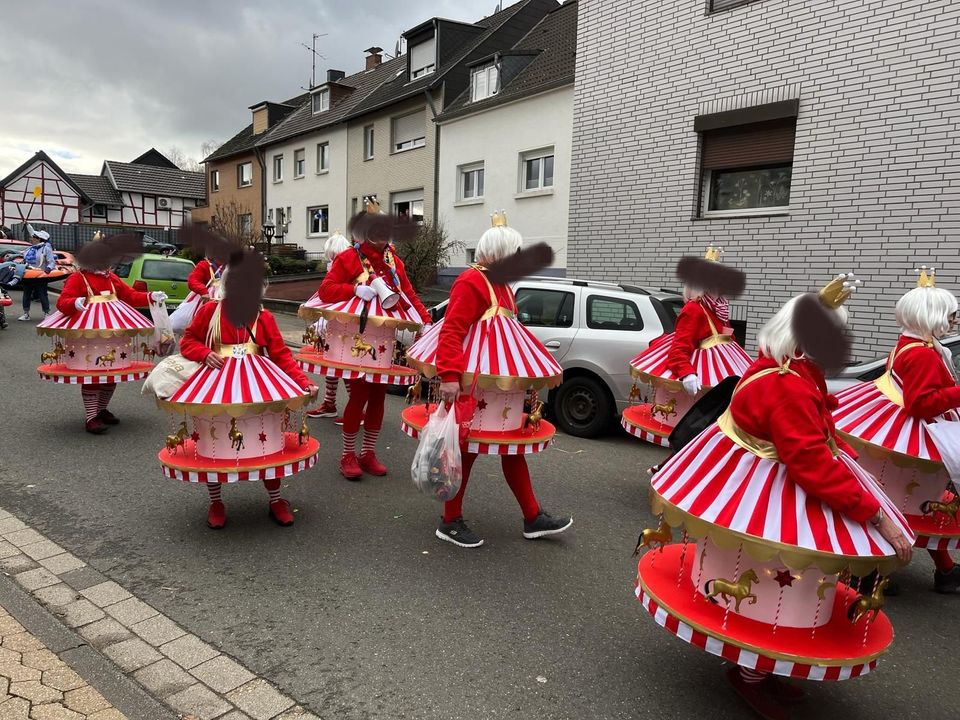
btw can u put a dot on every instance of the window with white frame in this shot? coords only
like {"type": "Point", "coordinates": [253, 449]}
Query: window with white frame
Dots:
{"type": "Point", "coordinates": [423, 58]}
{"type": "Point", "coordinates": [245, 174]}
{"type": "Point", "coordinates": [409, 131]}
{"type": "Point", "coordinates": [484, 82]}
{"type": "Point", "coordinates": [318, 220]}
{"type": "Point", "coordinates": [278, 168]}
{"type": "Point", "coordinates": [323, 157]}
{"type": "Point", "coordinates": [471, 256]}
{"type": "Point", "coordinates": [214, 180]}
{"type": "Point", "coordinates": [299, 163]}
{"type": "Point", "coordinates": [471, 182]}
{"type": "Point", "coordinates": [408, 204]}
{"type": "Point", "coordinates": [536, 170]}
{"type": "Point", "coordinates": [245, 225]}
{"type": "Point", "coordinates": [321, 101]}
{"type": "Point", "coordinates": [368, 142]}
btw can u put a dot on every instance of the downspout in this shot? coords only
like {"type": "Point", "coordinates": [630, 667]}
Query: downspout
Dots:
{"type": "Point", "coordinates": [263, 185]}
{"type": "Point", "coordinates": [436, 155]}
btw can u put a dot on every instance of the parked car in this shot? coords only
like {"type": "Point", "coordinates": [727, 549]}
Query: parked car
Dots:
{"type": "Point", "coordinates": [158, 247]}
{"type": "Point", "coordinates": [872, 369]}
{"type": "Point", "coordinates": [152, 272]}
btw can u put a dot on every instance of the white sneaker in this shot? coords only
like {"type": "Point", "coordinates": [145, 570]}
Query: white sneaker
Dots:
{"type": "Point", "coordinates": [24, 317]}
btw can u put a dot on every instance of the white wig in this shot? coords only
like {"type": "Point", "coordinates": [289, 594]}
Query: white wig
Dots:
{"type": "Point", "coordinates": [497, 243]}
{"type": "Point", "coordinates": [776, 339]}
{"type": "Point", "coordinates": [926, 311]}
{"type": "Point", "coordinates": [335, 245]}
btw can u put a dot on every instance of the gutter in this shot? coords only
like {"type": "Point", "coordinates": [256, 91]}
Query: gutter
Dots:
{"type": "Point", "coordinates": [436, 156]}
{"type": "Point", "coordinates": [263, 185]}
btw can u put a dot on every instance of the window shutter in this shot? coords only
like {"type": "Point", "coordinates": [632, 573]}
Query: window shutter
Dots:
{"type": "Point", "coordinates": [408, 128]}
{"type": "Point", "coordinates": [758, 144]}
{"type": "Point", "coordinates": [423, 55]}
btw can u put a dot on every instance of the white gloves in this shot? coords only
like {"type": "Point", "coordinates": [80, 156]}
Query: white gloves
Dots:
{"type": "Point", "coordinates": [691, 384]}
{"type": "Point", "coordinates": [365, 292]}
{"type": "Point", "coordinates": [80, 304]}
{"type": "Point", "coordinates": [158, 296]}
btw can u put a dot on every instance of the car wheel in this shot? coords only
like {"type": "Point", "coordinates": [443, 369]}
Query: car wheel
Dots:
{"type": "Point", "coordinates": [582, 407]}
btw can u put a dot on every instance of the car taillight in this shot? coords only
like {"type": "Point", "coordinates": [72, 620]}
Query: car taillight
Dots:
{"type": "Point", "coordinates": [140, 286]}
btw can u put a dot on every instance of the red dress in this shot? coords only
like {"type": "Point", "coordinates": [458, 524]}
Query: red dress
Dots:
{"type": "Point", "coordinates": [201, 276]}
{"type": "Point", "coordinates": [75, 288]}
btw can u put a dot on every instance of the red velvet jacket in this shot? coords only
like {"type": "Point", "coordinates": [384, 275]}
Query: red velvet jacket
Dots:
{"type": "Point", "coordinates": [194, 346]}
{"type": "Point", "coordinates": [691, 329]}
{"type": "Point", "coordinates": [339, 282]}
{"type": "Point", "coordinates": [469, 300]}
{"type": "Point", "coordinates": [199, 278]}
{"type": "Point", "coordinates": [928, 387]}
{"type": "Point", "coordinates": [75, 288]}
{"type": "Point", "coordinates": [793, 413]}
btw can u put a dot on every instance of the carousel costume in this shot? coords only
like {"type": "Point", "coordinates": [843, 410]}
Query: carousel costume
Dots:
{"type": "Point", "coordinates": [203, 279]}
{"type": "Point", "coordinates": [775, 513]}
{"type": "Point", "coordinates": [482, 346]}
{"type": "Point", "coordinates": [100, 339]}
{"type": "Point", "coordinates": [365, 299]}
{"type": "Point", "coordinates": [893, 423]}
{"type": "Point", "coordinates": [683, 365]}
{"type": "Point", "coordinates": [236, 421]}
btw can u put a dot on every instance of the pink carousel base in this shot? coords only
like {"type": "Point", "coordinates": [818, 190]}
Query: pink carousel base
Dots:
{"type": "Point", "coordinates": [839, 650]}
{"type": "Point", "coordinates": [93, 354]}
{"type": "Point", "coordinates": [186, 465]}
{"type": "Point", "coordinates": [317, 364]}
{"type": "Point", "coordinates": [638, 421]}
{"type": "Point", "coordinates": [380, 341]}
{"type": "Point", "coordinates": [525, 441]}
{"type": "Point", "coordinates": [60, 373]}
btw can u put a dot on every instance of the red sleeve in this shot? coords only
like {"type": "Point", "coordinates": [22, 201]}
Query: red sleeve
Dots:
{"type": "Point", "coordinates": [338, 283]}
{"type": "Point", "coordinates": [277, 349]}
{"type": "Point", "coordinates": [467, 305]}
{"type": "Point", "coordinates": [193, 344]}
{"type": "Point", "coordinates": [199, 277]}
{"type": "Point", "coordinates": [925, 392]}
{"type": "Point", "coordinates": [799, 432]}
{"type": "Point", "coordinates": [686, 338]}
{"type": "Point", "coordinates": [411, 294]}
{"type": "Point", "coordinates": [130, 296]}
{"type": "Point", "coordinates": [73, 288]}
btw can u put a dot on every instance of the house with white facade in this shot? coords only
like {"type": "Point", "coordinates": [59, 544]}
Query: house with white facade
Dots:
{"type": "Point", "coordinates": [505, 142]}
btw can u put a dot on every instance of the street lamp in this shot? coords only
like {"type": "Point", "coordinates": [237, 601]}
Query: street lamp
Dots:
{"type": "Point", "coordinates": [268, 231]}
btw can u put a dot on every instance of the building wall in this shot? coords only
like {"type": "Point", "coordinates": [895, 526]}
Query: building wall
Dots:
{"type": "Point", "coordinates": [875, 179]}
{"type": "Point", "coordinates": [248, 198]}
{"type": "Point", "coordinates": [313, 189]}
{"type": "Point", "coordinates": [498, 137]}
{"type": "Point", "coordinates": [57, 202]}
{"type": "Point", "coordinates": [143, 211]}
{"type": "Point", "coordinates": [389, 172]}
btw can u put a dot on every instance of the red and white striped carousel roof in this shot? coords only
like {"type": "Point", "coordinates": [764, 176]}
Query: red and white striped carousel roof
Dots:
{"type": "Point", "coordinates": [248, 380]}
{"type": "Point", "coordinates": [354, 306]}
{"type": "Point", "coordinates": [712, 365]}
{"type": "Point", "coordinates": [498, 347]}
{"type": "Point", "coordinates": [98, 318]}
{"type": "Point", "coordinates": [725, 485]}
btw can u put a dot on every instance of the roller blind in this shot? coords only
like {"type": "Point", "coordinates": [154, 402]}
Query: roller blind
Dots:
{"type": "Point", "coordinates": [766, 143]}
{"type": "Point", "coordinates": [409, 128]}
{"type": "Point", "coordinates": [423, 55]}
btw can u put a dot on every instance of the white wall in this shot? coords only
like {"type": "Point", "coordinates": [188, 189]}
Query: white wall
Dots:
{"type": "Point", "coordinates": [58, 202]}
{"type": "Point", "coordinates": [329, 188]}
{"type": "Point", "coordinates": [498, 137]}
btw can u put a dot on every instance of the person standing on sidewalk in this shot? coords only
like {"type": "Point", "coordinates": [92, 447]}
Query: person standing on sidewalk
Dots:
{"type": "Point", "coordinates": [40, 256]}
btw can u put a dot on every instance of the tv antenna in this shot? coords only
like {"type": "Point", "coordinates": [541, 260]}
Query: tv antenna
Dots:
{"type": "Point", "coordinates": [313, 60]}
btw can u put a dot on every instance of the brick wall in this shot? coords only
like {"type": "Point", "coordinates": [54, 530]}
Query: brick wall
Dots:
{"type": "Point", "coordinates": [876, 178]}
{"type": "Point", "coordinates": [247, 198]}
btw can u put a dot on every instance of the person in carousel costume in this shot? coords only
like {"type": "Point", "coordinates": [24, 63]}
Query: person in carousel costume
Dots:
{"type": "Point", "coordinates": [358, 272]}
{"type": "Point", "coordinates": [697, 355]}
{"type": "Point", "coordinates": [783, 515]}
{"type": "Point", "coordinates": [906, 424]}
{"type": "Point", "coordinates": [205, 277]}
{"type": "Point", "coordinates": [481, 347]}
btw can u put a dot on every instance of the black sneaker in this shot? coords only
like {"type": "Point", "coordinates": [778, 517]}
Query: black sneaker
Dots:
{"type": "Point", "coordinates": [544, 524]}
{"type": "Point", "coordinates": [459, 534]}
{"type": "Point", "coordinates": [947, 582]}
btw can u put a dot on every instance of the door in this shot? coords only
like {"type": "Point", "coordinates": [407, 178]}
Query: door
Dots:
{"type": "Point", "coordinates": [549, 314]}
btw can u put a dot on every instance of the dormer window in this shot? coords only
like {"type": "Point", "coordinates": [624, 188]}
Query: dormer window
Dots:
{"type": "Point", "coordinates": [423, 58]}
{"type": "Point", "coordinates": [321, 101]}
{"type": "Point", "coordinates": [485, 82]}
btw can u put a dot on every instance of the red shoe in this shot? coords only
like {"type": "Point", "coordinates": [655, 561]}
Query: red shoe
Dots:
{"type": "Point", "coordinates": [324, 411]}
{"type": "Point", "coordinates": [280, 512]}
{"type": "Point", "coordinates": [108, 418]}
{"type": "Point", "coordinates": [216, 515]}
{"type": "Point", "coordinates": [96, 426]}
{"type": "Point", "coordinates": [370, 464]}
{"type": "Point", "coordinates": [350, 467]}
{"type": "Point", "coordinates": [758, 696]}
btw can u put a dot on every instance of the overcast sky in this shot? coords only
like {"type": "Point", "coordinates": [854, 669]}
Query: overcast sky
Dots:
{"type": "Point", "coordinates": [89, 80]}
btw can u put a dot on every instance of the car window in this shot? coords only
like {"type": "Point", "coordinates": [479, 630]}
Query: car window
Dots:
{"type": "Point", "coordinates": [122, 270]}
{"type": "Point", "coordinates": [609, 313]}
{"type": "Point", "coordinates": [165, 270]}
{"type": "Point", "coordinates": [544, 308]}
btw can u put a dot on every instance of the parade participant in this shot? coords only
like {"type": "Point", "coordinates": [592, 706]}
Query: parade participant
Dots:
{"type": "Point", "coordinates": [335, 245]}
{"type": "Point", "coordinates": [480, 348]}
{"type": "Point", "coordinates": [894, 423]}
{"type": "Point", "coordinates": [697, 355]}
{"type": "Point", "coordinates": [205, 277]}
{"type": "Point", "coordinates": [782, 514]}
{"type": "Point", "coordinates": [365, 298]}
{"type": "Point", "coordinates": [39, 256]}
{"type": "Point", "coordinates": [93, 326]}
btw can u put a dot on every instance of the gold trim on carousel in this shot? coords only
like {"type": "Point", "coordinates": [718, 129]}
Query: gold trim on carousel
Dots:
{"type": "Point", "coordinates": [494, 311]}
{"type": "Point", "coordinates": [899, 459]}
{"type": "Point", "coordinates": [94, 299]}
{"type": "Point", "coordinates": [715, 341]}
{"type": "Point", "coordinates": [234, 410]}
{"type": "Point", "coordinates": [93, 334]}
{"type": "Point", "coordinates": [249, 348]}
{"type": "Point", "coordinates": [631, 423]}
{"type": "Point", "coordinates": [322, 361]}
{"type": "Point", "coordinates": [313, 314]}
{"type": "Point", "coordinates": [243, 468]}
{"type": "Point", "coordinates": [802, 659]}
{"type": "Point", "coordinates": [763, 449]}
{"type": "Point", "coordinates": [673, 386]}
{"type": "Point", "coordinates": [491, 382]}
{"type": "Point", "coordinates": [793, 557]}
{"type": "Point", "coordinates": [483, 441]}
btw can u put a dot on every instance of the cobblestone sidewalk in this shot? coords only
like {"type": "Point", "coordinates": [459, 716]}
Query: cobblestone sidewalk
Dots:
{"type": "Point", "coordinates": [35, 684]}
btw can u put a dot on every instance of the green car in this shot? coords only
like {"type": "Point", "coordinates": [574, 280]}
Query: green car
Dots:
{"type": "Point", "coordinates": [149, 273]}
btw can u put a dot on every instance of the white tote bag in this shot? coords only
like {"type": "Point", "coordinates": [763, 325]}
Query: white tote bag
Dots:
{"type": "Point", "coordinates": [169, 375]}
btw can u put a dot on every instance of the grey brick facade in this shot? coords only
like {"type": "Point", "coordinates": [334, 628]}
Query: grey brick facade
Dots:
{"type": "Point", "coordinates": [876, 177]}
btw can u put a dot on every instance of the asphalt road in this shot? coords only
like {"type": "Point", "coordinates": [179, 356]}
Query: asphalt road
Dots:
{"type": "Point", "coordinates": [359, 612]}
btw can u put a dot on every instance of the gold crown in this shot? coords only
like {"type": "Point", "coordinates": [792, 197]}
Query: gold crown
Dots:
{"type": "Point", "coordinates": [836, 292]}
{"type": "Point", "coordinates": [499, 219]}
{"type": "Point", "coordinates": [714, 253]}
{"type": "Point", "coordinates": [97, 236]}
{"type": "Point", "coordinates": [371, 205]}
{"type": "Point", "coordinates": [927, 277]}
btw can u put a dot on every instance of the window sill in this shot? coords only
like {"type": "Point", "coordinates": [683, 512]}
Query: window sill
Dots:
{"type": "Point", "coordinates": [241, 187]}
{"type": "Point", "coordinates": [277, 182]}
{"type": "Point", "coordinates": [215, 190]}
{"type": "Point", "coordinates": [533, 193]}
{"type": "Point", "coordinates": [317, 237]}
{"type": "Point", "coordinates": [322, 172]}
{"type": "Point", "coordinates": [742, 215]}
{"type": "Point", "coordinates": [299, 177]}
{"type": "Point", "coordinates": [406, 150]}
{"type": "Point", "coordinates": [467, 203]}
{"type": "Point", "coordinates": [368, 159]}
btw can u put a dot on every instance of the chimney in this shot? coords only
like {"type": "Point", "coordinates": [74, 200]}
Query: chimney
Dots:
{"type": "Point", "coordinates": [374, 57]}
{"type": "Point", "coordinates": [335, 75]}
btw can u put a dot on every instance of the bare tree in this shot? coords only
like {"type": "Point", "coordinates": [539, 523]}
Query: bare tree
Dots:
{"type": "Point", "coordinates": [208, 147]}
{"type": "Point", "coordinates": [183, 161]}
{"type": "Point", "coordinates": [234, 221]}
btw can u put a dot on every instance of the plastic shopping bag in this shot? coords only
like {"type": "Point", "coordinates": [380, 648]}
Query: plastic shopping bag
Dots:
{"type": "Point", "coordinates": [181, 318]}
{"type": "Point", "coordinates": [437, 468]}
{"type": "Point", "coordinates": [164, 341]}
